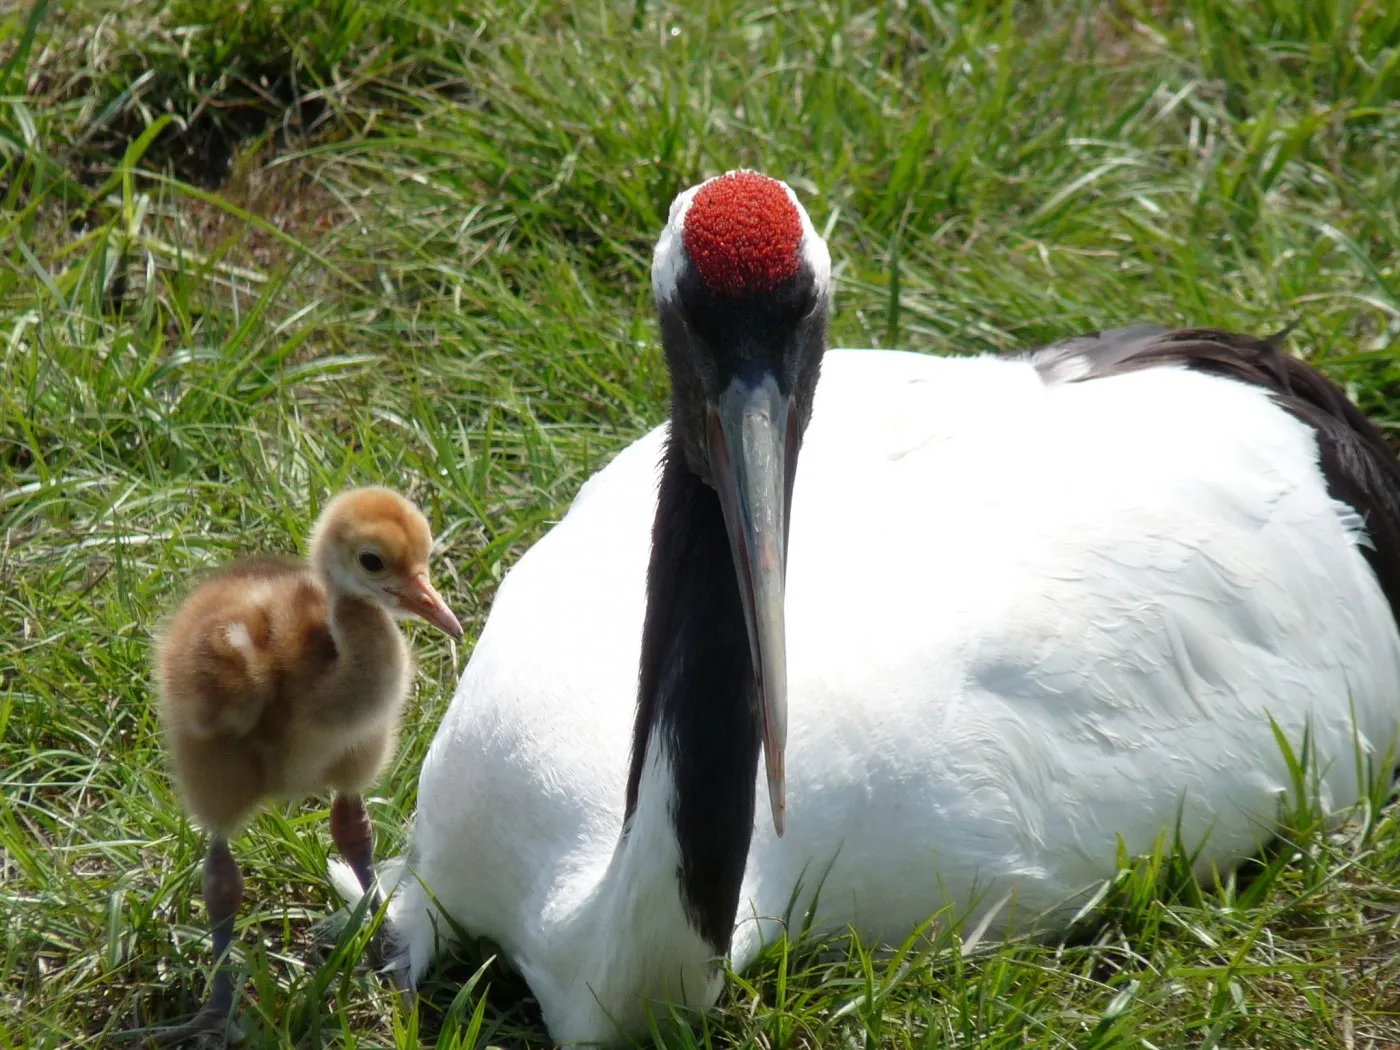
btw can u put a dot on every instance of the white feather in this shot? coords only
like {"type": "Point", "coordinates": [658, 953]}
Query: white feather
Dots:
{"type": "Point", "coordinates": [237, 635]}
{"type": "Point", "coordinates": [344, 882]}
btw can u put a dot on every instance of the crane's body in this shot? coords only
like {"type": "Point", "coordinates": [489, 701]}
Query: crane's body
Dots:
{"type": "Point", "coordinates": [1027, 618]}
{"type": "Point", "coordinates": [980, 622]}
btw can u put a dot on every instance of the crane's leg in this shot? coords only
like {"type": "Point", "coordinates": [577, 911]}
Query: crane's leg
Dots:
{"type": "Point", "coordinates": [223, 896]}
{"type": "Point", "coordinates": [354, 837]}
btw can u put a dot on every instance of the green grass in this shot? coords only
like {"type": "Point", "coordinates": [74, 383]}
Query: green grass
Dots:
{"type": "Point", "coordinates": [251, 252]}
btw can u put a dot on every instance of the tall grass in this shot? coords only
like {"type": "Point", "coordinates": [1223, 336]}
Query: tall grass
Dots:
{"type": "Point", "coordinates": [255, 251]}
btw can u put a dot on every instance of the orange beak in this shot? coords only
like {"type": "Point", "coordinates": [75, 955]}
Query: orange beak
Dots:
{"type": "Point", "coordinates": [419, 598]}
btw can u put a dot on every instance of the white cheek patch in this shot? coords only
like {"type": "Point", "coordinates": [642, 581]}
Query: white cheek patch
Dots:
{"type": "Point", "coordinates": [813, 247]}
{"type": "Point", "coordinates": [669, 257]}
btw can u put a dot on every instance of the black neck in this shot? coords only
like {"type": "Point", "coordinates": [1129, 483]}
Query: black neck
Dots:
{"type": "Point", "coordinates": [697, 696]}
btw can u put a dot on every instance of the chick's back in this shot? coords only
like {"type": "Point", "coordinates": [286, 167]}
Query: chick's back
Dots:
{"type": "Point", "coordinates": [235, 657]}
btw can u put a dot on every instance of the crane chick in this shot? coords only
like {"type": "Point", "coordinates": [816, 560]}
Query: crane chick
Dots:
{"type": "Point", "coordinates": [279, 679]}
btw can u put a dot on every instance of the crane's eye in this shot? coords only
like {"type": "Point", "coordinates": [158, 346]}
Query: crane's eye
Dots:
{"type": "Point", "coordinates": [371, 562]}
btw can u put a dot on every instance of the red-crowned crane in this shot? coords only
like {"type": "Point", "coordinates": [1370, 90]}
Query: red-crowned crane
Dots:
{"type": "Point", "coordinates": [984, 616]}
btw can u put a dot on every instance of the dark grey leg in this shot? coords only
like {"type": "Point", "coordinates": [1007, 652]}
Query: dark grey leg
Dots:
{"type": "Point", "coordinates": [223, 896]}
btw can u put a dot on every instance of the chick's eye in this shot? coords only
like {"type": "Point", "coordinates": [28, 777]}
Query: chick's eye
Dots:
{"type": "Point", "coordinates": [371, 562]}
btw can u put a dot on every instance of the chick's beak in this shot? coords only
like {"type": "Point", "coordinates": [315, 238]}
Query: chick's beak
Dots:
{"type": "Point", "coordinates": [418, 597]}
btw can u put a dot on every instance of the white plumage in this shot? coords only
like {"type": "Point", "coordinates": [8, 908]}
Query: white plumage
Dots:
{"type": "Point", "coordinates": [1025, 619]}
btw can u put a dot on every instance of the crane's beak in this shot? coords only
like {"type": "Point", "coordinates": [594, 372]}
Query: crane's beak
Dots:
{"type": "Point", "coordinates": [419, 598]}
{"type": "Point", "coordinates": [753, 461]}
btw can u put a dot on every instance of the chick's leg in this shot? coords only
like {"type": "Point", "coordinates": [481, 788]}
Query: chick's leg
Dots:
{"type": "Point", "coordinates": [354, 837]}
{"type": "Point", "coordinates": [223, 896]}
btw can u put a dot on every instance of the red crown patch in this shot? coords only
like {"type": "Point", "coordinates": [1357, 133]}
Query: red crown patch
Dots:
{"type": "Point", "coordinates": [742, 234]}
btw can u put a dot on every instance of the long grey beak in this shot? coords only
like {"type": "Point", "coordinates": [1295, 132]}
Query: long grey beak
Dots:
{"type": "Point", "coordinates": [753, 473]}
